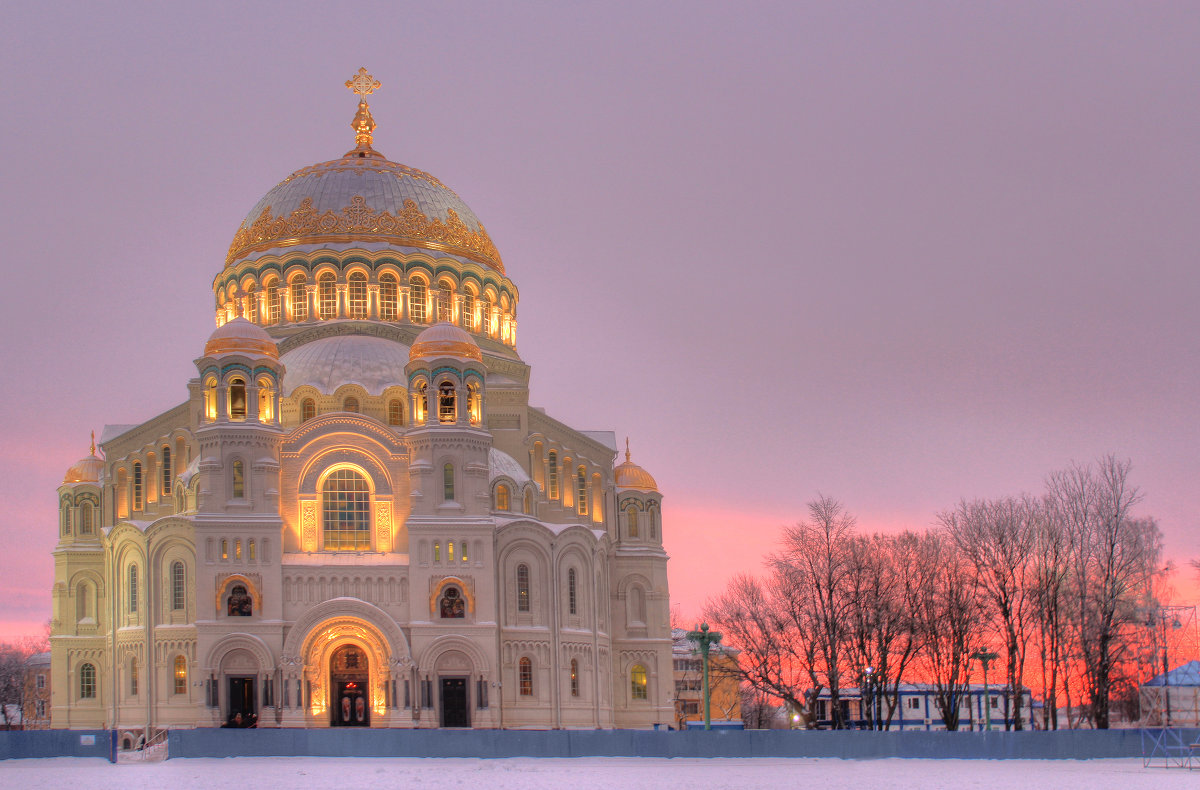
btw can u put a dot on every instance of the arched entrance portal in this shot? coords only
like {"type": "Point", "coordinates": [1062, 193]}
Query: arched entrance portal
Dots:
{"type": "Point", "coordinates": [349, 680]}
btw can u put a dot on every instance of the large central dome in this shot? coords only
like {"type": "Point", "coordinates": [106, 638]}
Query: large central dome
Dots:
{"type": "Point", "coordinates": [363, 197]}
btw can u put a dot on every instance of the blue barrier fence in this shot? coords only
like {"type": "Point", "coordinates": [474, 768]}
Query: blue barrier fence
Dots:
{"type": "Point", "coordinates": [1038, 745]}
{"type": "Point", "coordinates": [56, 743]}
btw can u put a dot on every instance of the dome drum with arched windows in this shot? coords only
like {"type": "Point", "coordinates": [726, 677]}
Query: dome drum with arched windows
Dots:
{"type": "Point", "coordinates": [355, 517]}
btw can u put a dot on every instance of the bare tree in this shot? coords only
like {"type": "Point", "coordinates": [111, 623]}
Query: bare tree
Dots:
{"type": "Point", "coordinates": [811, 569]}
{"type": "Point", "coordinates": [12, 683]}
{"type": "Point", "coordinates": [946, 613]}
{"type": "Point", "coordinates": [998, 538]}
{"type": "Point", "coordinates": [1114, 558]}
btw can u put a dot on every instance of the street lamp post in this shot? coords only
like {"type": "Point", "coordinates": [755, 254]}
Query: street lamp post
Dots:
{"type": "Point", "coordinates": [704, 639]}
{"type": "Point", "coordinates": [985, 657]}
{"type": "Point", "coordinates": [869, 695]}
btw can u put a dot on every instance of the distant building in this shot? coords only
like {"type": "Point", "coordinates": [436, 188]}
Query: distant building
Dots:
{"type": "Point", "coordinates": [35, 701]}
{"type": "Point", "coordinates": [1173, 698]}
{"type": "Point", "coordinates": [916, 708]}
{"type": "Point", "coordinates": [724, 684]}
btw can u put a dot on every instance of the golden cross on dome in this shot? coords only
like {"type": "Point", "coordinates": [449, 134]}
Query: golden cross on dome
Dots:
{"type": "Point", "coordinates": [363, 124]}
{"type": "Point", "coordinates": [363, 83]}
{"type": "Point", "coordinates": [93, 442]}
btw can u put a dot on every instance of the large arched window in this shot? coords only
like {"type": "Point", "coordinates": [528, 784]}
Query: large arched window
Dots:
{"type": "Point", "coordinates": [448, 482]}
{"type": "Point", "coordinates": [388, 301]}
{"type": "Point", "coordinates": [346, 500]}
{"type": "Point", "coordinates": [574, 677]}
{"type": "Point", "coordinates": [251, 304]}
{"type": "Point", "coordinates": [418, 302]}
{"type": "Point", "coordinates": [298, 297]}
{"type": "Point", "coordinates": [447, 406]}
{"type": "Point", "coordinates": [502, 497]}
{"type": "Point", "coordinates": [581, 492]}
{"type": "Point", "coordinates": [631, 519]}
{"type": "Point", "coordinates": [210, 398]}
{"type": "Point", "coordinates": [395, 412]}
{"type": "Point", "coordinates": [572, 600]}
{"type": "Point", "coordinates": [178, 586]}
{"type": "Point", "coordinates": [133, 589]}
{"type": "Point", "coordinates": [308, 409]}
{"type": "Point", "coordinates": [552, 483]}
{"type": "Point", "coordinates": [357, 295]}
{"type": "Point", "coordinates": [445, 302]}
{"type": "Point", "coordinates": [474, 404]}
{"type": "Point", "coordinates": [468, 311]}
{"type": "Point", "coordinates": [272, 291]}
{"type": "Point", "coordinates": [266, 400]}
{"type": "Point", "coordinates": [522, 588]}
{"type": "Point", "coordinates": [85, 518]}
{"type": "Point", "coordinates": [525, 676]}
{"type": "Point", "coordinates": [180, 675]}
{"type": "Point", "coordinates": [165, 482]}
{"type": "Point", "coordinates": [327, 295]}
{"type": "Point", "coordinates": [237, 399]}
{"type": "Point", "coordinates": [637, 681]}
{"type": "Point", "coordinates": [238, 480]}
{"type": "Point", "coordinates": [137, 486]}
{"type": "Point", "coordinates": [87, 681]}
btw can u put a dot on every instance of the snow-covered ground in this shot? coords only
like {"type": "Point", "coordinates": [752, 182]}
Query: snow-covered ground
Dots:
{"type": "Point", "coordinates": [591, 773]}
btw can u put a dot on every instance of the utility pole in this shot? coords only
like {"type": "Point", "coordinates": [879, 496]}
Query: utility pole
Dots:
{"type": "Point", "coordinates": [704, 638]}
{"type": "Point", "coordinates": [985, 657]}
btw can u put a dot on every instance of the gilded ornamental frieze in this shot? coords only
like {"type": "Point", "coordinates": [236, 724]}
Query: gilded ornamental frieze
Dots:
{"type": "Point", "coordinates": [361, 222]}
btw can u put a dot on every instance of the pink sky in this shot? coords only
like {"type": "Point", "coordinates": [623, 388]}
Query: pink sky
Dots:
{"type": "Point", "coordinates": [896, 253]}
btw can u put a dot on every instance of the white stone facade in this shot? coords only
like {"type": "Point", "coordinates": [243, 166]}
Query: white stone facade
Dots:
{"type": "Point", "coordinates": [356, 517]}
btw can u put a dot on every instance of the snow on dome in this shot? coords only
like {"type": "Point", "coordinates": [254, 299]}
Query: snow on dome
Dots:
{"type": "Point", "coordinates": [85, 470]}
{"type": "Point", "coordinates": [504, 465]}
{"type": "Point", "coordinates": [240, 336]}
{"type": "Point", "coordinates": [371, 362]}
{"type": "Point", "coordinates": [630, 475]}
{"type": "Point", "coordinates": [445, 340]}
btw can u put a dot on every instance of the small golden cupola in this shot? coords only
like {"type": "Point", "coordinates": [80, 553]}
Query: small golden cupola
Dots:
{"type": "Point", "coordinates": [445, 340]}
{"type": "Point", "coordinates": [85, 470]}
{"type": "Point", "coordinates": [631, 476]}
{"type": "Point", "coordinates": [240, 336]}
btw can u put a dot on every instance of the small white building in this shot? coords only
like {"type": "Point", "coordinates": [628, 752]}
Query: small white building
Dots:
{"type": "Point", "coordinates": [916, 708]}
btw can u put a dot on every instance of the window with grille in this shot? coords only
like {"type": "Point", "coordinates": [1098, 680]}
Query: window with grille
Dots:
{"type": "Point", "coordinates": [388, 300]}
{"type": "Point", "coordinates": [137, 486]}
{"type": "Point", "coordinates": [637, 682]}
{"type": "Point", "coordinates": [251, 304]}
{"type": "Point", "coordinates": [85, 519]}
{"type": "Point", "coordinates": [522, 588]}
{"type": "Point", "coordinates": [299, 298]}
{"type": "Point", "coordinates": [346, 505]}
{"type": "Point", "coordinates": [468, 311]}
{"type": "Point", "coordinates": [631, 516]}
{"type": "Point", "coordinates": [133, 589]}
{"type": "Point", "coordinates": [133, 677]}
{"type": "Point", "coordinates": [273, 311]}
{"type": "Point", "coordinates": [87, 682]}
{"type": "Point", "coordinates": [395, 412]}
{"type": "Point", "coordinates": [501, 497]}
{"type": "Point", "coordinates": [526, 677]}
{"type": "Point", "coordinates": [308, 409]}
{"type": "Point", "coordinates": [357, 294]}
{"type": "Point", "coordinates": [445, 304]}
{"type": "Point", "coordinates": [180, 675]}
{"type": "Point", "coordinates": [485, 317]}
{"type": "Point", "coordinates": [239, 480]}
{"type": "Point", "coordinates": [581, 491]}
{"type": "Point", "coordinates": [448, 482]}
{"type": "Point", "coordinates": [178, 580]}
{"type": "Point", "coordinates": [572, 606]}
{"type": "Point", "coordinates": [418, 302]}
{"type": "Point", "coordinates": [165, 486]}
{"type": "Point", "coordinates": [574, 677]}
{"type": "Point", "coordinates": [552, 484]}
{"type": "Point", "coordinates": [327, 295]}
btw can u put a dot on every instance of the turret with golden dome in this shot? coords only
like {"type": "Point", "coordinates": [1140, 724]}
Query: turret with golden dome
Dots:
{"type": "Point", "coordinates": [631, 476]}
{"type": "Point", "coordinates": [86, 469]}
{"type": "Point", "coordinates": [368, 239]}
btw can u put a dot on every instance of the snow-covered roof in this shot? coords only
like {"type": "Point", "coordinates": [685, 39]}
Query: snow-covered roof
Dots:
{"type": "Point", "coordinates": [38, 660]}
{"type": "Point", "coordinates": [1185, 675]}
{"type": "Point", "coordinates": [504, 465]}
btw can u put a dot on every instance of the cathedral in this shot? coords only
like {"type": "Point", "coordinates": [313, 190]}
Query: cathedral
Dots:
{"type": "Point", "coordinates": [355, 518]}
